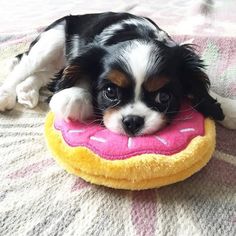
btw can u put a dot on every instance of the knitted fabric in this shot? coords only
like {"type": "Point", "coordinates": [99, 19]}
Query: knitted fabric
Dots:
{"type": "Point", "coordinates": [38, 197]}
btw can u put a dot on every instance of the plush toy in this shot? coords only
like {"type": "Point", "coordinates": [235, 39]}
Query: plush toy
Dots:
{"type": "Point", "coordinates": [105, 158]}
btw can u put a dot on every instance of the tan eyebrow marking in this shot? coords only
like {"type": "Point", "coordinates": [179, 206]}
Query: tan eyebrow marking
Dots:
{"type": "Point", "coordinates": [108, 113]}
{"type": "Point", "coordinates": [118, 78]}
{"type": "Point", "coordinates": [153, 84]}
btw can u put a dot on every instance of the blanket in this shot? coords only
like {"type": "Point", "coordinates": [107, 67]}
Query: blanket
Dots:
{"type": "Point", "coordinates": [37, 197]}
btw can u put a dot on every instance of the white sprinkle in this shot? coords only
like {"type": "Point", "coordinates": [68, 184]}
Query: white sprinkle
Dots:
{"type": "Point", "coordinates": [101, 140]}
{"type": "Point", "coordinates": [76, 131]}
{"type": "Point", "coordinates": [187, 130]}
{"type": "Point", "coordinates": [129, 142]}
{"type": "Point", "coordinates": [162, 140]}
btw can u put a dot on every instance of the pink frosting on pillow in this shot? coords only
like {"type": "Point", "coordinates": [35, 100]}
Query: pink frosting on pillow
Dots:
{"type": "Point", "coordinates": [173, 138]}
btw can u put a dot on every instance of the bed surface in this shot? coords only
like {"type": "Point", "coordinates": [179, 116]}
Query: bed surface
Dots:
{"type": "Point", "coordinates": [37, 197]}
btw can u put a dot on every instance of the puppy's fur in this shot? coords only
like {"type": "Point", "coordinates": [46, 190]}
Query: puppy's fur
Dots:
{"type": "Point", "coordinates": [114, 67]}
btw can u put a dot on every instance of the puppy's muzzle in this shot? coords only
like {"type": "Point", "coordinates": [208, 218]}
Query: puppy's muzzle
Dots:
{"type": "Point", "coordinates": [132, 124]}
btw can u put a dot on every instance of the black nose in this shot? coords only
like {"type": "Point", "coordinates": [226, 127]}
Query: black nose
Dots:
{"type": "Point", "coordinates": [132, 124]}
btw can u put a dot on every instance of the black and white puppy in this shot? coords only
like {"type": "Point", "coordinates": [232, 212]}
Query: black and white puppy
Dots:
{"type": "Point", "coordinates": [115, 67]}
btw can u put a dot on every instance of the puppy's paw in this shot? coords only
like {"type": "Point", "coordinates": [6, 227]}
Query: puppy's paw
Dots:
{"type": "Point", "coordinates": [229, 122]}
{"type": "Point", "coordinates": [27, 94]}
{"type": "Point", "coordinates": [12, 63]}
{"type": "Point", "coordinates": [229, 109]}
{"type": "Point", "coordinates": [7, 99]}
{"type": "Point", "coordinates": [72, 103]}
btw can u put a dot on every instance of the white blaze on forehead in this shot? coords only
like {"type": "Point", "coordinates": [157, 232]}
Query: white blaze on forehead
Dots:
{"type": "Point", "coordinates": [137, 108]}
{"type": "Point", "coordinates": [138, 56]}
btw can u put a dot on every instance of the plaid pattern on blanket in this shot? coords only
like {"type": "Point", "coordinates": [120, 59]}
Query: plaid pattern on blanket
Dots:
{"type": "Point", "coordinates": [37, 197]}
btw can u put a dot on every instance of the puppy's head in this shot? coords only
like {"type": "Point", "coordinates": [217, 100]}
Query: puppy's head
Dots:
{"type": "Point", "coordinates": [137, 93]}
{"type": "Point", "coordinates": [144, 82]}
{"type": "Point", "coordinates": [138, 86]}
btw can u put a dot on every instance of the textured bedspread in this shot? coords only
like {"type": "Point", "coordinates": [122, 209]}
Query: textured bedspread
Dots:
{"type": "Point", "coordinates": [39, 198]}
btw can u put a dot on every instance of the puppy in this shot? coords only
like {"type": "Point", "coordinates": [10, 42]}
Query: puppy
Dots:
{"type": "Point", "coordinates": [117, 68]}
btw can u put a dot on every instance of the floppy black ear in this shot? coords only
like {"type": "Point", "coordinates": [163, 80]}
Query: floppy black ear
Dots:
{"type": "Point", "coordinates": [196, 83]}
{"type": "Point", "coordinates": [87, 65]}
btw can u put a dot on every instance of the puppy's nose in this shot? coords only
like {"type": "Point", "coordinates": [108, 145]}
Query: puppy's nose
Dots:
{"type": "Point", "coordinates": [132, 124]}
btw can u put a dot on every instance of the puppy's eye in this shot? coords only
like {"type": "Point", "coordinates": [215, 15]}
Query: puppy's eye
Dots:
{"type": "Point", "coordinates": [111, 93]}
{"type": "Point", "coordinates": [162, 97]}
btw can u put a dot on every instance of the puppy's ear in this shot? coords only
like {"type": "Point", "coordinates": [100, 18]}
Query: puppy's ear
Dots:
{"type": "Point", "coordinates": [196, 83]}
{"type": "Point", "coordinates": [87, 66]}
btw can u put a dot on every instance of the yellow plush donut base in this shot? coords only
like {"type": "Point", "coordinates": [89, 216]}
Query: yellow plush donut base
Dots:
{"type": "Point", "coordinates": [139, 172]}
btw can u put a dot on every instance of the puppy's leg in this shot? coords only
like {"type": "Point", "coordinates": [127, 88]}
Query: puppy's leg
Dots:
{"type": "Point", "coordinates": [73, 103]}
{"type": "Point", "coordinates": [229, 108]}
{"type": "Point", "coordinates": [28, 90]}
{"type": "Point", "coordinates": [46, 55]}
{"type": "Point", "coordinates": [13, 62]}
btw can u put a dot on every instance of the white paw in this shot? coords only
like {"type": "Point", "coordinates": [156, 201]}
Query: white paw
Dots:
{"type": "Point", "coordinates": [27, 95]}
{"type": "Point", "coordinates": [229, 109]}
{"type": "Point", "coordinates": [12, 63]}
{"type": "Point", "coordinates": [7, 99]}
{"type": "Point", "coordinates": [72, 103]}
{"type": "Point", "coordinates": [229, 122]}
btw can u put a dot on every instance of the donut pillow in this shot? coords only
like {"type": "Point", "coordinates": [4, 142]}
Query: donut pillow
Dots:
{"type": "Point", "coordinates": [101, 157]}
